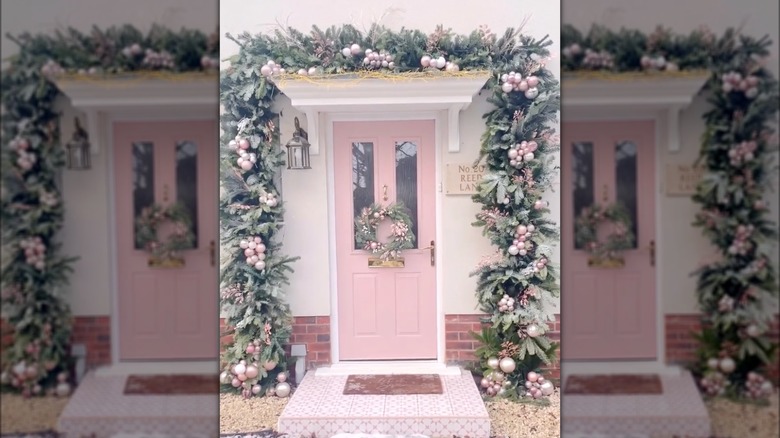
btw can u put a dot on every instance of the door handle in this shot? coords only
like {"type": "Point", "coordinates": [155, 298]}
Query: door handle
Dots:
{"type": "Point", "coordinates": [384, 192]}
{"type": "Point", "coordinates": [433, 252]}
{"type": "Point", "coordinates": [652, 253]}
{"type": "Point", "coordinates": [213, 253]}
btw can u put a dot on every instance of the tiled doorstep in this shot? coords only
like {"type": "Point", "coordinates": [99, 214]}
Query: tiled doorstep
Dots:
{"type": "Point", "coordinates": [679, 411]}
{"type": "Point", "coordinates": [100, 407]}
{"type": "Point", "coordinates": [318, 406]}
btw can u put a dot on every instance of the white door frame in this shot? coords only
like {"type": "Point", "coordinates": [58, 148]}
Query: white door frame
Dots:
{"type": "Point", "coordinates": [659, 363]}
{"type": "Point", "coordinates": [440, 122]}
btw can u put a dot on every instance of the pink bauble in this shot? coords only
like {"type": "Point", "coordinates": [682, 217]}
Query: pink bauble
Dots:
{"type": "Point", "coordinates": [252, 260]}
{"type": "Point", "coordinates": [260, 247]}
{"type": "Point", "coordinates": [249, 252]}
{"type": "Point", "coordinates": [246, 165]}
{"type": "Point", "coordinates": [252, 372]}
{"type": "Point", "coordinates": [252, 244]}
{"type": "Point", "coordinates": [523, 252]}
{"type": "Point", "coordinates": [242, 377]}
{"type": "Point", "coordinates": [522, 86]}
{"type": "Point", "coordinates": [243, 244]}
{"type": "Point", "coordinates": [236, 383]}
{"type": "Point", "coordinates": [512, 153]}
{"type": "Point", "coordinates": [491, 391]}
{"type": "Point", "coordinates": [528, 157]}
{"type": "Point", "coordinates": [282, 377]}
{"type": "Point", "coordinates": [259, 265]}
{"type": "Point", "coordinates": [425, 61]}
{"type": "Point", "coordinates": [507, 87]}
{"type": "Point", "coordinates": [522, 229]}
{"type": "Point", "coordinates": [532, 81]}
{"type": "Point", "coordinates": [484, 383]}
{"type": "Point", "coordinates": [250, 349]}
{"type": "Point", "coordinates": [239, 369]}
{"type": "Point", "coordinates": [256, 389]}
{"type": "Point", "coordinates": [513, 250]}
{"type": "Point", "coordinates": [355, 49]}
{"type": "Point", "coordinates": [346, 52]}
{"type": "Point", "coordinates": [243, 144]}
{"type": "Point", "coordinates": [532, 145]}
{"type": "Point", "coordinates": [533, 377]}
{"type": "Point", "coordinates": [269, 365]}
{"type": "Point", "coordinates": [266, 70]}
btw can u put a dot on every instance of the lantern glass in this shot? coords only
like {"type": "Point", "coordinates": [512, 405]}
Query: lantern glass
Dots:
{"type": "Point", "coordinates": [78, 155]}
{"type": "Point", "coordinates": [298, 153]}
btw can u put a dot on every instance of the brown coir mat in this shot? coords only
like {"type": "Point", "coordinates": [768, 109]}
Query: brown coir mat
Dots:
{"type": "Point", "coordinates": [393, 384]}
{"type": "Point", "coordinates": [176, 384]}
{"type": "Point", "coordinates": [614, 384]}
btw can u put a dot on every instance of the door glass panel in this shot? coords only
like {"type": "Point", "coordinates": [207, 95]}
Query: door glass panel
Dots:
{"type": "Point", "coordinates": [143, 179]}
{"type": "Point", "coordinates": [625, 181]}
{"type": "Point", "coordinates": [187, 181]}
{"type": "Point", "coordinates": [582, 178]}
{"type": "Point", "coordinates": [362, 178]}
{"type": "Point", "coordinates": [406, 180]}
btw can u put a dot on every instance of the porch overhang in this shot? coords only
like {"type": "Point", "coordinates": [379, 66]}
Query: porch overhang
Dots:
{"type": "Point", "coordinates": [98, 97]}
{"type": "Point", "coordinates": [604, 96]}
{"type": "Point", "coordinates": [451, 93]}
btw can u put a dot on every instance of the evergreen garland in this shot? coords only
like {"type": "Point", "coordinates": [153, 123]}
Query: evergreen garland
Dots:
{"type": "Point", "coordinates": [738, 293]}
{"type": "Point", "coordinates": [33, 270]}
{"type": "Point", "coordinates": [253, 297]}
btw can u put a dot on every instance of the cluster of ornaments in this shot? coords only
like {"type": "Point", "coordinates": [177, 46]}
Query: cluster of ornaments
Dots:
{"type": "Point", "coordinates": [154, 59]}
{"type": "Point", "coordinates": [352, 50]}
{"type": "Point", "coordinates": [714, 383]}
{"type": "Point", "coordinates": [312, 71]}
{"type": "Point", "coordinates": [757, 387]}
{"type": "Point", "coordinates": [132, 51]}
{"type": "Point", "coordinates": [657, 63]}
{"type": "Point", "coordinates": [271, 68]}
{"type": "Point", "coordinates": [506, 304]}
{"type": "Point", "coordinates": [514, 81]}
{"type": "Point", "coordinates": [209, 62]}
{"type": "Point", "coordinates": [26, 376]}
{"type": "Point", "coordinates": [49, 199]}
{"type": "Point", "coordinates": [537, 386]}
{"type": "Point", "coordinates": [26, 159]}
{"type": "Point", "coordinates": [521, 244]}
{"type": "Point", "coordinates": [597, 60]}
{"type": "Point", "coordinates": [522, 152]}
{"type": "Point", "coordinates": [733, 81]}
{"type": "Point", "coordinates": [495, 383]}
{"type": "Point", "coordinates": [741, 243]}
{"type": "Point", "coordinates": [742, 153]}
{"type": "Point", "coordinates": [725, 304]}
{"type": "Point", "coordinates": [269, 199]}
{"type": "Point", "coordinates": [725, 365]}
{"type": "Point", "coordinates": [540, 204]}
{"type": "Point", "coordinates": [247, 377]}
{"type": "Point", "coordinates": [254, 250]}
{"type": "Point", "coordinates": [51, 69]}
{"type": "Point", "coordinates": [375, 61]}
{"type": "Point", "coordinates": [572, 50]}
{"type": "Point", "coordinates": [34, 251]}
{"type": "Point", "coordinates": [245, 160]}
{"type": "Point", "coordinates": [441, 62]}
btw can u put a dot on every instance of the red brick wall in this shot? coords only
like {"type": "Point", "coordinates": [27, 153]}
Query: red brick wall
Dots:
{"type": "Point", "coordinates": [681, 346]}
{"type": "Point", "coordinates": [460, 345]}
{"type": "Point", "coordinates": [92, 331]}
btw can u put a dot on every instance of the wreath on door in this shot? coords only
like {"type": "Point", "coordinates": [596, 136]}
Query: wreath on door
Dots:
{"type": "Point", "coordinates": [620, 239]}
{"type": "Point", "coordinates": [401, 236]}
{"type": "Point", "coordinates": [148, 223]}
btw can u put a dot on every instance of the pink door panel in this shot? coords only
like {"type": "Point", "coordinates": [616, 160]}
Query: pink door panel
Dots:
{"type": "Point", "coordinates": [385, 313]}
{"type": "Point", "coordinates": [166, 314]}
{"type": "Point", "coordinates": [609, 313]}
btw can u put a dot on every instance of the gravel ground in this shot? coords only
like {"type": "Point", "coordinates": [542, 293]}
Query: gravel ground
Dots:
{"type": "Point", "coordinates": [15, 413]}
{"type": "Point", "coordinates": [737, 420]}
{"type": "Point", "coordinates": [237, 414]}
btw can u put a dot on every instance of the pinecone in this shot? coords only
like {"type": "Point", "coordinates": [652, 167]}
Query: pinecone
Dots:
{"type": "Point", "coordinates": [508, 349]}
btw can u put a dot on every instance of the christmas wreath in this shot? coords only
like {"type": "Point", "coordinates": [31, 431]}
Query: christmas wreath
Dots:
{"type": "Point", "coordinates": [586, 231]}
{"type": "Point", "coordinates": [401, 236]}
{"type": "Point", "coordinates": [150, 219]}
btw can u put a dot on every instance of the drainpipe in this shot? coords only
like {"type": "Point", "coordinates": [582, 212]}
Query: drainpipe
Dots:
{"type": "Point", "coordinates": [79, 352]}
{"type": "Point", "coordinates": [299, 353]}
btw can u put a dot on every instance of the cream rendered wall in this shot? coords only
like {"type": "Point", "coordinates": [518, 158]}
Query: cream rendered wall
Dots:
{"type": "Point", "coordinates": [757, 18]}
{"type": "Point", "coordinates": [305, 192]}
{"type": "Point", "coordinates": [86, 193]}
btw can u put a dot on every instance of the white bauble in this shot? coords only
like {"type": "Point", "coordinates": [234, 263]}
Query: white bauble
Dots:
{"type": "Point", "coordinates": [239, 368]}
{"type": "Point", "coordinates": [260, 265]}
{"type": "Point", "coordinates": [266, 70]}
{"type": "Point", "coordinates": [513, 250]}
{"type": "Point", "coordinates": [522, 229]}
{"type": "Point", "coordinates": [256, 389]}
{"type": "Point", "coordinates": [441, 62]}
{"type": "Point", "coordinates": [63, 389]}
{"type": "Point", "coordinates": [533, 330]}
{"type": "Point", "coordinates": [727, 365]}
{"type": "Point", "coordinates": [531, 93]}
{"type": "Point", "coordinates": [252, 371]}
{"type": "Point", "coordinates": [493, 362]}
{"type": "Point", "coordinates": [271, 202]}
{"type": "Point", "coordinates": [528, 157]}
{"type": "Point", "coordinates": [547, 388]}
{"type": "Point", "coordinates": [302, 72]}
{"type": "Point", "coordinates": [355, 49]}
{"type": "Point", "coordinates": [346, 51]}
{"type": "Point", "coordinates": [506, 87]}
{"type": "Point", "coordinates": [243, 244]}
{"type": "Point", "coordinates": [312, 71]}
{"type": "Point", "coordinates": [512, 153]}
{"type": "Point", "coordinates": [753, 331]}
{"type": "Point", "coordinates": [283, 389]}
{"type": "Point", "coordinates": [425, 61]}
{"type": "Point", "coordinates": [507, 365]}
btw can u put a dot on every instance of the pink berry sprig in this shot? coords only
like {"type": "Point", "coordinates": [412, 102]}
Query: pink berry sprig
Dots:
{"type": "Point", "coordinates": [254, 251]}
{"type": "Point", "coordinates": [742, 153]}
{"type": "Point", "coordinates": [735, 82]}
{"type": "Point", "coordinates": [521, 243]}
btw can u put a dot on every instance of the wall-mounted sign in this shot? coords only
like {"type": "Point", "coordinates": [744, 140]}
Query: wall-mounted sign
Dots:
{"type": "Point", "coordinates": [682, 179]}
{"type": "Point", "coordinates": [462, 179]}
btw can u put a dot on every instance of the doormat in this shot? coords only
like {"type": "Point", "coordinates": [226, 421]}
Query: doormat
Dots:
{"type": "Point", "coordinates": [41, 434]}
{"type": "Point", "coordinates": [176, 384]}
{"type": "Point", "coordinates": [614, 384]}
{"type": "Point", "coordinates": [393, 384]}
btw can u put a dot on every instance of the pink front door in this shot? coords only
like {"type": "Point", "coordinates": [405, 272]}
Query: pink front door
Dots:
{"type": "Point", "coordinates": [385, 313]}
{"type": "Point", "coordinates": [609, 313]}
{"type": "Point", "coordinates": [168, 313]}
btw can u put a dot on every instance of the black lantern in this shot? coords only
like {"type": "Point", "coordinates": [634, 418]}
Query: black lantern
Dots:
{"type": "Point", "coordinates": [298, 149]}
{"type": "Point", "coordinates": [78, 148]}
